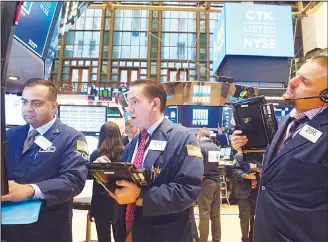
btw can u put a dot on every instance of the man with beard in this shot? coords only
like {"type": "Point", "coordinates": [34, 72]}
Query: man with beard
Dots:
{"type": "Point", "coordinates": [292, 203]}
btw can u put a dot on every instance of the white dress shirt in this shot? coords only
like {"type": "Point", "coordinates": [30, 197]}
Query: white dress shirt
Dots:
{"type": "Point", "coordinates": [150, 132]}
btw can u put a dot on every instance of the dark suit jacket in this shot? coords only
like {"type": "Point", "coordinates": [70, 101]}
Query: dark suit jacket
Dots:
{"type": "Point", "coordinates": [211, 169]}
{"type": "Point", "coordinates": [59, 172]}
{"type": "Point", "coordinates": [166, 215]}
{"type": "Point", "coordinates": [294, 188]}
{"type": "Point", "coordinates": [243, 187]}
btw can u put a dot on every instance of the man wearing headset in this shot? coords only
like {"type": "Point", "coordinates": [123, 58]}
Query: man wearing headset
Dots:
{"type": "Point", "coordinates": [292, 203]}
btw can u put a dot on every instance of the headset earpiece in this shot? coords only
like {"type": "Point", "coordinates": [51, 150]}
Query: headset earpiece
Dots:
{"type": "Point", "coordinates": [324, 96]}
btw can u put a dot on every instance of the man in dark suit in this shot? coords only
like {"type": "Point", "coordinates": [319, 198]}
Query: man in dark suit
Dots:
{"type": "Point", "coordinates": [171, 155]}
{"type": "Point", "coordinates": [294, 179]}
{"type": "Point", "coordinates": [246, 189]}
{"type": "Point", "coordinates": [209, 197]}
{"type": "Point", "coordinates": [46, 160]}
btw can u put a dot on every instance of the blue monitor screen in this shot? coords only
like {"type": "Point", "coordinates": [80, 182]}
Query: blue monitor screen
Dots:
{"type": "Point", "coordinates": [171, 113]}
{"type": "Point", "coordinates": [200, 116]}
{"type": "Point", "coordinates": [281, 113]}
{"type": "Point", "coordinates": [34, 24]}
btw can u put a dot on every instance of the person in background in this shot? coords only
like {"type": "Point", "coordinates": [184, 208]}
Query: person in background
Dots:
{"type": "Point", "coordinates": [294, 175]}
{"type": "Point", "coordinates": [104, 209]}
{"type": "Point", "coordinates": [209, 197]}
{"type": "Point", "coordinates": [46, 160]}
{"type": "Point", "coordinates": [131, 130]}
{"type": "Point", "coordinates": [171, 156]}
{"type": "Point", "coordinates": [246, 189]}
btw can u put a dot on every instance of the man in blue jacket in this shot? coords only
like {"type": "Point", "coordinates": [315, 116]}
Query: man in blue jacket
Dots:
{"type": "Point", "coordinates": [171, 156]}
{"type": "Point", "coordinates": [292, 203]}
{"type": "Point", "coordinates": [46, 160]}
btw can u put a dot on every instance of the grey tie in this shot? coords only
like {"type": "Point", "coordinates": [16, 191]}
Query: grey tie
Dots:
{"type": "Point", "coordinates": [30, 139]}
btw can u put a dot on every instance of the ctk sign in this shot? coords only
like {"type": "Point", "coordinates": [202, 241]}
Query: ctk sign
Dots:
{"type": "Point", "coordinates": [255, 30]}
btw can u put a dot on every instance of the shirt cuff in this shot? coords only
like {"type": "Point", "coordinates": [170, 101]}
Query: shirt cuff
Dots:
{"type": "Point", "coordinates": [37, 192]}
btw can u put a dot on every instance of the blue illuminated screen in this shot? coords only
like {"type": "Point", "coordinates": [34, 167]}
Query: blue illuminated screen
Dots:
{"type": "Point", "coordinates": [34, 24]}
{"type": "Point", "coordinates": [260, 30]}
{"type": "Point", "coordinates": [171, 113]}
{"type": "Point", "coordinates": [200, 116]}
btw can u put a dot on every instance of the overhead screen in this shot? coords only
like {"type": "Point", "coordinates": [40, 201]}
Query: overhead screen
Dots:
{"type": "Point", "coordinates": [200, 116]}
{"type": "Point", "coordinates": [34, 24]}
{"type": "Point", "coordinates": [87, 119]}
{"type": "Point", "coordinates": [253, 30]}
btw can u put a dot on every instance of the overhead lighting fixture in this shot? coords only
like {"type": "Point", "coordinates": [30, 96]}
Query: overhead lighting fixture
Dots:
{"type": "Point", "coordinates": [13, 77]}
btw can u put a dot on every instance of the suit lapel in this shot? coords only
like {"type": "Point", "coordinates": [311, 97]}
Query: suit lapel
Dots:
{"type": "Point", "coordinates": [277, 139]}
{"type": "Point", "coordinates": [160, 134]}
{"type": "Point", "coordinates": [19, 140]}
{"type": "Point", "coordinates": [50, 134]}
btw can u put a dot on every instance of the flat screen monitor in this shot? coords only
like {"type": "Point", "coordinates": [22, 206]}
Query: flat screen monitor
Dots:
{"type": "Point", "coordinates": [87, 119]}
{"type": "Point", "coordinates": [114, 112]}
{"type": "Point", "coordinates": [200, 116]}
{"type": "Point", "coordinates": [281, 113]}
{"type": "Point", "coordinates": [171, 113]}
{"type": "Point", "coordinates": [34, 24]}
{"type": "Point", "coordinates": [13, 110]}
{"type": "Point", "coordinates": [225, 153]}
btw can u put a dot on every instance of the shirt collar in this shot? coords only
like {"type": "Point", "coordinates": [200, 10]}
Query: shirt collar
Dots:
{"type": "Point", "coordinates": [154, 126]}
{"type": "Point", "coordinates": [44, 128]}
{"type": "Point", "coordinates": [310, 113]}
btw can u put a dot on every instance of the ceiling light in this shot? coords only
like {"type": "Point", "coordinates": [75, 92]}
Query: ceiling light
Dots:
{"type": "Point", "coordinates": [13, 77]}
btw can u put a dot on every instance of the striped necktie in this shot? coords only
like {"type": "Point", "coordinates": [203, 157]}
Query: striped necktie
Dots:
{"type": "Point", "coordinates": [30, 139]}
{"type": "Point", "coordinates": [129, 215]}
{"type": "Point", "coordinates": [295, 125]}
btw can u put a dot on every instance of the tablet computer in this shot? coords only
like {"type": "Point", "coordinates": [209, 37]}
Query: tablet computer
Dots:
{"type": "Point", "coordinates": [249, 119]}
{"type": "Point", "coordinates": [106, 174]}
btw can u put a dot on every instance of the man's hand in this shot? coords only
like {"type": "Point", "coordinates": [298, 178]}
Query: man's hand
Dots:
{"type": "Point", "coordinates": [129, 192]}
{"type": "Point", "coordinates": [250, 176]}
{"type": "Point", "coordinates": [18, 192]}
{"type": "Point", "coordinates": [102, 159]}
{"type": "Point", "coordinates": [238, 140]}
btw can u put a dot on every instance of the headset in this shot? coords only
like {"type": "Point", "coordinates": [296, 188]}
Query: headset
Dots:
{"type": "Point", "coordinates": [323, 96]}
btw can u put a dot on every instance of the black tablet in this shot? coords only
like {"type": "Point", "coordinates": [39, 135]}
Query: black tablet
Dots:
{"type": "Point", "coordinates": [107, 174]}
{"type": "Point", "coordinates": [249, 119]}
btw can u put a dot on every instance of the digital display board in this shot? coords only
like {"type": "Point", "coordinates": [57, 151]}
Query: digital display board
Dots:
{"type": "Point", "coordinates": [219, 48]}
{"type": "Point", "coordinates": [260, 30]}
{"type": "Point", "coordinates": [113, 112]}
{"type": "Point", "coordinates": [87, 119]}
{"type": "Point", "coordinates": [34, 24]}
{"type": "Point", "coordinates": [281, 113]}
{"type": "Point", "coordinates": [200, 116]}
{"type": "Point", "coordinates": [226, 118]}
{"type": "Point", "coordinates": [253, 30]}
{"type": "Point", "coordinates": [171, 113]}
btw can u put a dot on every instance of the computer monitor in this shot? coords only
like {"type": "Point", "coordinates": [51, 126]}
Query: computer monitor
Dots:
{"type": "Point", "coordinates": [84, 118]}
{"type": "Point", "coordinates": [225, 153]}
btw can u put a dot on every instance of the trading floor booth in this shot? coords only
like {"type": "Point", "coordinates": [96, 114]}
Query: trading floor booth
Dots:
{"type": "Point", "coordinates": [207, 104]}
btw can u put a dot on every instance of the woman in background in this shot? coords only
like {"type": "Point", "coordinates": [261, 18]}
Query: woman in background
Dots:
{"type": "Point", "coordinates": [104, 209]}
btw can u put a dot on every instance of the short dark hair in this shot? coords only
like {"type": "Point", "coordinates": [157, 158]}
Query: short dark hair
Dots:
{"type": "Point", "coordinates": [41, 82]}
{"type": "Point", "coordinates": [152, 89]}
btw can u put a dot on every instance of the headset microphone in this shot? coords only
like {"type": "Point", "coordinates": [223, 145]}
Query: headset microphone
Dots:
{"type": "Point", "coordinates": [323, 97]}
